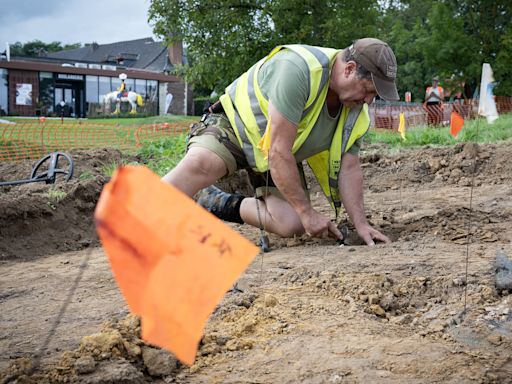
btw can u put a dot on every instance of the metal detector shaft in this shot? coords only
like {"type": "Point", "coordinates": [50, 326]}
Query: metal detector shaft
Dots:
{"type": "Point", "coordinates": [18, 182]}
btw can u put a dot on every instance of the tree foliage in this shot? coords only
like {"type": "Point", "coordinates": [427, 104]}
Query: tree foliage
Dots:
{"type": "Point", "coordinates": [447, 38]}
{"type": "Point", "coordinates": [38, 48]}
{"type": "Point", "coordinates": [223, 38]}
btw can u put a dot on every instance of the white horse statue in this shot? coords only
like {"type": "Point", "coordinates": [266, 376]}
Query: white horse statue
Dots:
{"type": "Point", "coordinates": [131, 97]}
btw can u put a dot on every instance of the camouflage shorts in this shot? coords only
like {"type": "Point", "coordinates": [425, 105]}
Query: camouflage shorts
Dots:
{"type": "Point", "coordinates": [214, 132]}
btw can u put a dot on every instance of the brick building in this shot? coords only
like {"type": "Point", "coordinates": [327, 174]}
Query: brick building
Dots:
{"type": "Point", "coordinates": [74, 82]}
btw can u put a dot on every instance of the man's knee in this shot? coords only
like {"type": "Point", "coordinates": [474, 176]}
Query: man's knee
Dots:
{"type": "Point", "coordinates": [203, 162]}
{"type": "Point", "coordinates": [290, 228]}
{"type": "Point", "coordinates": [286, 221]}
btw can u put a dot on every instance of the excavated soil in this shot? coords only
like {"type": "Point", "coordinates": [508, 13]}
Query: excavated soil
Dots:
{"type": "Point", "coordinates": [309, 311]}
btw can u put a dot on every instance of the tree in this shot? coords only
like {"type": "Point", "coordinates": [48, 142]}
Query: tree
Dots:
{"type": "Point", "coordinates": [223, 38]}
{"type": "Point", "coordinates": [38, 48]}
{"type": "Point", "coordinates": [488, 24]}
{"type": "Point", "coordinates": [448, 38]}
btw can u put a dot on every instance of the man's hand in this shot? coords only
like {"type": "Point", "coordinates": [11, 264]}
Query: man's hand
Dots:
{"type": "Point", "coordinates": [317, 225]}
{"type": "Point", "coordinates": [351, 187]}
{"type": "Point", "coordinates": [370, 235]}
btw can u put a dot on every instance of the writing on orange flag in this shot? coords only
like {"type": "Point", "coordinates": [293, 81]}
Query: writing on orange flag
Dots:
{"type": "Point", "coordinates": [173, 261]}
{"type": "Point", "coordinates": [456, 123]}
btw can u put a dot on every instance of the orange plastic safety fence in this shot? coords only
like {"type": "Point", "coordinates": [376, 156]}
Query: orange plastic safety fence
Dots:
{"type": "Point", "coordinates": [154, 131]}
{"type": "Point", "coordinates": [388, 116]}
{"type": "Point", "coordinates": [29, 140]}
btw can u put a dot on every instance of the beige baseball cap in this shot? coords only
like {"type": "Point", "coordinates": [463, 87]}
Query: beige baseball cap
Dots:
{"type": "Point", "coordinates": [378, 58]}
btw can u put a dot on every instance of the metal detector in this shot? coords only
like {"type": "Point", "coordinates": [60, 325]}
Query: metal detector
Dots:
{"type": "Point", "coordinates": [47, 169]}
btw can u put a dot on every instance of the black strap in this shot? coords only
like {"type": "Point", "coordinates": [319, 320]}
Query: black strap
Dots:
{"type": "Point", "coordinates": [214, 108]}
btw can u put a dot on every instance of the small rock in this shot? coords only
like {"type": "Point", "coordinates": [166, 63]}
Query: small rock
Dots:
{"type": "Point", "coordinates": [435, 165]}
{"type": "Point", "coordinates": [383, 374]}
{"type": "Point", "coordinates": [388, 301]}
{"type": "Point", "coordinates": [222, 340]}
{"type": "Point", "coordinates": [84, 365]}
{"type": "Point", "coordinates": [494, 338]}
{"type": "Point", "coordinates": [158, 361]}
{"type": "Point", "coordinates": [373, 299]}
{"type": "Point", "coordinates": [270, 301]}
{"type": "Point", "coordinates": [232, 345]}
{"type": "Point", "coordinates": [403, 319]}
{"type": "Point", "coordinates": [378, 310]}
{"type": "Point", "coordinates": [133, 350]}
{"type": "Point", "coordinates": [436, 326]}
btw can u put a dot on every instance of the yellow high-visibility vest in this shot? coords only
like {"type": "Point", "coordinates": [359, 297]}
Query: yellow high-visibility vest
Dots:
{"type": "Point", "coordinates": [247, 111]}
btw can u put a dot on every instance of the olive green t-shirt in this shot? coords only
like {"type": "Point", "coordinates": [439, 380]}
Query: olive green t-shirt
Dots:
{"type": "Point", "coordinates": [284, 81]}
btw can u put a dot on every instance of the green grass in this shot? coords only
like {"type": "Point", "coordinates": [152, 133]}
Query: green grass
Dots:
{"type": "Point", "coordinates": [163, 154]}
{"type": "Point", "coordinates": [474, 130]}
{"type": "Point", "coordinates": [86, 175]}
{"type": "Point", "coordinates": [55, 195]}
{"type": "Point", "coordinates": [146, 120]}
{"type": "Point", "coordinates": [110, 168]}
{"type": "Point", "coordinates": [114, 120]}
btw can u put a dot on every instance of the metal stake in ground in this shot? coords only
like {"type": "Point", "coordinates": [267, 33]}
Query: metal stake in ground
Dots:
{"type": "Point", "coordinates": [469, 220]}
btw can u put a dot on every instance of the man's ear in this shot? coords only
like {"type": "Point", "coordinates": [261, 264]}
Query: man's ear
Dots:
{"type": "Point", "coordinates": [350, 67]}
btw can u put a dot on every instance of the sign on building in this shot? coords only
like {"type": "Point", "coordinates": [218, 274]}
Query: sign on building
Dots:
{"type": "Point", "coordinates": [23, 94]}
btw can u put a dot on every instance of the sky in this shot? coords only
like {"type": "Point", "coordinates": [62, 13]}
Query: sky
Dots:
{"type": "Point", "coordinates": [73, 21]}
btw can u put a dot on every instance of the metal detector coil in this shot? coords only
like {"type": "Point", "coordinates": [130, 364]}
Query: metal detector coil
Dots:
{"type": "Point", "coordinates": [47, 170]}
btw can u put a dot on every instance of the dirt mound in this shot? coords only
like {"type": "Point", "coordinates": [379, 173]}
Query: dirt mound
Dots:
{"type": "Point", "coordinates": [114, 355]}
{"type": "Point", "coordinates": [39, 219]}
{"type": "Point", "coordinates": [440, 165]}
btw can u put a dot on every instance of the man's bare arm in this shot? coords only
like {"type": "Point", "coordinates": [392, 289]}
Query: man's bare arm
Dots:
{"type": "Point", "coordinates": [286, 176]}
{"type": "Point", "coordinates": [351, 187]}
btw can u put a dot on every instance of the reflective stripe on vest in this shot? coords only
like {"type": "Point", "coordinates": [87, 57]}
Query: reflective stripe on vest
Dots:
{"type": "Point", "coordinates": [326, 165]}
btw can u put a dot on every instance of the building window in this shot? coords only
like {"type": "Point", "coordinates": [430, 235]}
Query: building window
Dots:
{"type": "Point", "coordinates": [91, 89]}
{"type": "Point", "coordinates": [46, 92]}
{"type": "Point", "coordinates": [130, 85]}
{"type": "Point", "coordinates": [140, 87]}
{"type": "Point", "coordinates": [153, 90]}
{"type": "Point", "coordinates": [104, 87]}
{"type": "Point", "coordinates": [4, 92]}
{"type": "Point", "coordinates": [116, 84]}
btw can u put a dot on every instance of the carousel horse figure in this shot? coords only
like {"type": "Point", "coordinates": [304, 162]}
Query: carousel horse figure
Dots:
{"type": "Point", "coordinates": [131, 97]}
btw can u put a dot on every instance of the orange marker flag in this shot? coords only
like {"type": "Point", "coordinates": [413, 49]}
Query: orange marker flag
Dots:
{"type": "Point", "coordinates": [456, 123]}
{"type": "Point", "coordinates": [172, 260]}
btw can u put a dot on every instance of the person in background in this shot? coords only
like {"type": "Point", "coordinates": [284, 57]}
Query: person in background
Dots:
{"type": "Point", "coordinates": [434, 97]}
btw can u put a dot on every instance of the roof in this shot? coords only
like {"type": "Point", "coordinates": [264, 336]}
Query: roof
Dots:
{"type": "Point", "coordinates": [145, 54]}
